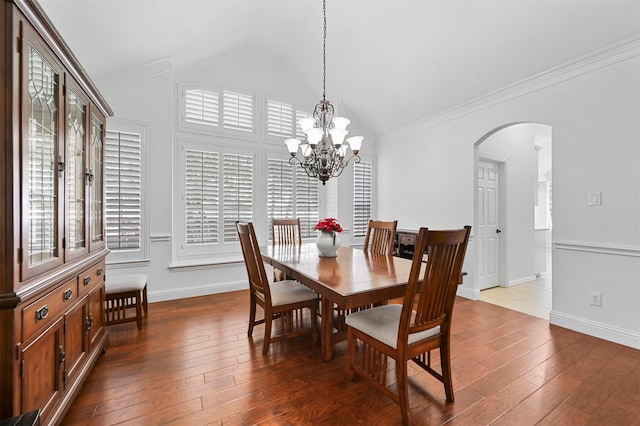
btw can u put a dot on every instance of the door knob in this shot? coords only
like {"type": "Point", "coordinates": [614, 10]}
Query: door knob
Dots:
{"type": "Point", "coordinates": [498, 231]}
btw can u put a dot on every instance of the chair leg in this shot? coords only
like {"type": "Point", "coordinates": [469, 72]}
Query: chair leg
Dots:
{"type": "Point", "coordinates": [351, 353]}
{"type": "Point", "coordinates": [145, 301]}
{"type": "Point", "coordinates": [403, 390]}
{"type": "Point", "coordinates": [252, 316]}
{"type": "Point", "coordinates": [139, 310]}
{"type": "Point", "coordinates": [267, 333]}
{"type": "Point", "coordinates": [445, 363]}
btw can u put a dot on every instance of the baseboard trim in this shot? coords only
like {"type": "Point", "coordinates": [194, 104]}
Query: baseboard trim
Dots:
{"type": "Point", "coordinates": [468, 293]}
{"type": "Point", "coordinates": [521, 281]}
{"type": "Point", "coordinates": [593, 328]}
{"type": "Point", "coordinates": [195, 291]}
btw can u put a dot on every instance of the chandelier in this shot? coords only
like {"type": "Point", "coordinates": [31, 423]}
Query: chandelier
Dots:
{"type": "Point", "coordinates": [324, 150]}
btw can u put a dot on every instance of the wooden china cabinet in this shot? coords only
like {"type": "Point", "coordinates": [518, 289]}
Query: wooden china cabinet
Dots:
{"type": "Point", "coordinates": [52, 244]}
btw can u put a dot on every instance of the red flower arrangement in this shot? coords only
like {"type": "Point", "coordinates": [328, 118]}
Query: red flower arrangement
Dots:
{"type": "Point", "coordinates": [329, 225]}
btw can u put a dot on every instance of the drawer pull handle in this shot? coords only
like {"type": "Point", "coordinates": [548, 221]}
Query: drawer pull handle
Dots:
{"type": "Point", "coordinates": [100, 271]}
{"type": "Point", "coordinates": [87, 280]}
{"type": "Point", "coordinates": [67, 294]}
{"type": "Point", "coordinates": [42, 313]}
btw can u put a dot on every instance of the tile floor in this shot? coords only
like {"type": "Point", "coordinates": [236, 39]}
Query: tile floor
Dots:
{"type": "Point", "coordinates": [533, 297]}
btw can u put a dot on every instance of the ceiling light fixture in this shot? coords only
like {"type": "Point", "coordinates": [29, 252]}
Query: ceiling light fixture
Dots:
{"type": "Point", "coordinates": [324, 150]}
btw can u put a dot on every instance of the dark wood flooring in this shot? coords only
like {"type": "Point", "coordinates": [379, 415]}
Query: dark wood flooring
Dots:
{"type": "Point", "coordinates": [192, 364]}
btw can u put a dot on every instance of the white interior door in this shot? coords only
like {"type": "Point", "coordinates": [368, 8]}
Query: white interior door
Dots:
{"type": "Point", "coordinates": [488, 220]}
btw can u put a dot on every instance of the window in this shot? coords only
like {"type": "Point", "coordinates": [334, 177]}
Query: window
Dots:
{"type": "Point", "coordinates": [291, 193]}
{"type": "Point", "coordinates": [124, 199]}
{"type": "Point", "coordinates": [238, 111]}
{"type": "Point", "coordinates": [217, 191]}
{"type": "Point", "coordinates": [210, 109]}
{"type": "Point", "coordinates": [362, 197]}
{"type": "Point", "coordinates": [201, 107]}
{"type": "Point", "coordinates": [282, 121]}
{"type": "Point", "coordinates": [279, 119]}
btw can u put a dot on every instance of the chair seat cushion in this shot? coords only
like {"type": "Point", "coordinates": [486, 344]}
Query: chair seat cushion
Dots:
{"type": "Point", "coordinates": [382, 324]}
{"type": "Point", "coordinates": [131, 282]}
{"type": "Point", "coordinates": [289, 291]}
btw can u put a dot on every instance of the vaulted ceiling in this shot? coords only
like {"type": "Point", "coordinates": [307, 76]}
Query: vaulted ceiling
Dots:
{"type": "Point", "coordinates": [391, 61]}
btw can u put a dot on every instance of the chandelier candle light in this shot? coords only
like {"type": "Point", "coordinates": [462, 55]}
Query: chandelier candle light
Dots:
{"type": "Point", "coordinates": [324, 151]}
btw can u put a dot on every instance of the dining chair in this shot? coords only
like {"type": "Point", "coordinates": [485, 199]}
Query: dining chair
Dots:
{"type": "Point", "coordinates": [285, 231]}
{"type": "Point", "coordinates": [412, 330]}
{"type": "Point", "coordinates": [379, 239]}
{"type": "Point", "coordinates": [284, 300]}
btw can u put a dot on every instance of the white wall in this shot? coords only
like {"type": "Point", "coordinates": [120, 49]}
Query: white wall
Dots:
{"type": "Point", "coordinates": [425, 177]}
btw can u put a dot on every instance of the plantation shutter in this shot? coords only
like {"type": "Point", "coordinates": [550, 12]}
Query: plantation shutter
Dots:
{"type": "Point", "coordinates": [237, 111]}
{"type": "Point", "coordinates": [237, 193]}
{"type": "Point", "coordinates": [201, 200]}
{"type": "Point", "coordinates": [279, 119]}
{"type": "Point", "coordinates": [201, 107]}
{"type": "Point", "coordinates": [123, 186]}
{"type": "Point", "coordinates": [279, 190]}
{"type": "Point", "coordinates": [362, 198]}
{"type": "Point", "coordinates": [307, 202]}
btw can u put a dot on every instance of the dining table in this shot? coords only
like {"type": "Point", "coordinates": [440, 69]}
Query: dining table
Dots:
{"type": "Point", "coordinates": [352, 279]}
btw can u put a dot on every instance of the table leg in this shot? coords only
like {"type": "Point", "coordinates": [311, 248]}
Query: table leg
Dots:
{"type": "Point", "coordinates": [327, 328]}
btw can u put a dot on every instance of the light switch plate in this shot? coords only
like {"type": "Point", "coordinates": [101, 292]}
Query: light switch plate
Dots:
{"type": "Point", "coordinates": [595, 198]}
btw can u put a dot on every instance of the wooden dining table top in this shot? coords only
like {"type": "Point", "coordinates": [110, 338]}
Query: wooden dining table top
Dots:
{"type": "Point", "coordinates": [353, 278]}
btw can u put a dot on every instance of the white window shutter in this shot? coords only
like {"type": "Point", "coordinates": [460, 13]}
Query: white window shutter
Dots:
{"type": "Point", "coordinates": [201, 107]}
{"type": "Point", "coordinates": [237, 193]}
{"type": "Point", "coordinates": [362, 197]}
{"type": "Point", "coordinates": [279, 119]}
{"type": "Point", "coordinates": [201, 200]}
{"type": "Point", "coordinates": [279, 190]}
{"type": "Point", "coordinates": [307, 202]}
{"type": "Point", "coordinates": [237, 111]}
{"type": "Point", "coordinates": [123, 186]}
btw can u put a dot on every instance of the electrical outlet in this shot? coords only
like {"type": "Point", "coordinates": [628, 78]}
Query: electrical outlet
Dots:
{"type": "Point", "coordinates": [595, 299]}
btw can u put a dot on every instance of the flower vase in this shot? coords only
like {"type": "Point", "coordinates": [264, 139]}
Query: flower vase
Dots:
{"type": "Point", "coordinates": [328, 244]}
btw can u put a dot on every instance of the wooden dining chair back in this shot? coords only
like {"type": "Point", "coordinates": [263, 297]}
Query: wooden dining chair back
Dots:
{"type": "Point", "coordinates": [380, 237]}
{"type": "Point", "coordinates": [285, 231]}
{"type": "Point", "coordinates": [284, 300]}
{"type": "Point", "coordinates": [422, 323]}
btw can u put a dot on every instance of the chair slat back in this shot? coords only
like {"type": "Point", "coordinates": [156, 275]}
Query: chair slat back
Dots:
{"type": "Point", "coordinates": [258, 282]}
{"type": "Point", "coordinates": [380, 237]}
{"type": "Point", "coordinates": [286, 231]}
{"type": "Point", "coordinates": [432, 286]}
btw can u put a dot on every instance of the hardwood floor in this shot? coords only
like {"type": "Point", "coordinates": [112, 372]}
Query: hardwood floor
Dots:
{"type": "Point", "coordinates": [192, 364]}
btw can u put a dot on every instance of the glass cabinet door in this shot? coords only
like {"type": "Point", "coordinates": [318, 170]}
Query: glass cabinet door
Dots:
{"type": "Point", "coordinates": [42, 163]}
{"type": "Point", "coordinates": [96, 194]}
{"type": "Point", "coordinates": [75, 165]}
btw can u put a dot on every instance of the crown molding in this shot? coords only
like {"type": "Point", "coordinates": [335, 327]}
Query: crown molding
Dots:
{"type": "Point", "coordinates": [602, 58]}
{"type": "Point", "coordinates": [130, 77]}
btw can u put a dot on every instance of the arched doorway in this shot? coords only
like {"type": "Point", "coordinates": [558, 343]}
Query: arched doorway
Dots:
{"type": "Point", "coordinates": [512, 217]}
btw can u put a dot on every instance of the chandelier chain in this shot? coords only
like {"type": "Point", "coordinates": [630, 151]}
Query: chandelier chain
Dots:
{"type": "Point", "coordinates": [324, 52]}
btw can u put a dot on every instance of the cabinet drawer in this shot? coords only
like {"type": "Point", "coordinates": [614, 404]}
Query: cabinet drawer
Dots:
{"type": "Point", "coordinates": [91, 277]}
{"type": "Point", "coordinates": [46, 309]}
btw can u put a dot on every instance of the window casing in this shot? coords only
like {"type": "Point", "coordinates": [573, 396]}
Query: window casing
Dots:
{"type": "Point", "coordinates": [362, 197]}
{"type": "Point", "coordinates": [126, 191]}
